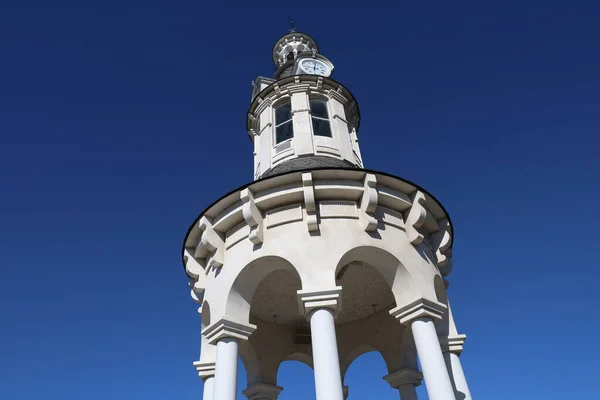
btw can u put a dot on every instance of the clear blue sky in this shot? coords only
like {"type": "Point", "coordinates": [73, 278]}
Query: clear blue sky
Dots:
{"type": "Point", "coordinates": [121, 120]}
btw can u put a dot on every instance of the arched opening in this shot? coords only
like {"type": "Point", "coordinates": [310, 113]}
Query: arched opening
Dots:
{"type": "Point", "coordinates": [297, 379]}
{"type": "Point", "coordinates": [364, 377]}
{"type": "Point", "coordinates": [390, 269]}
{"type": "Point", "coordinates": [266, 287]}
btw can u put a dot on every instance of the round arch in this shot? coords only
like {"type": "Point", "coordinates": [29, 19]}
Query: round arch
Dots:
{"type": "Point", "coordinates": [364, 374]}
{"type": "Point", "coordinates": [239, 299]}
{"type": "Point", "coordinates": [389, 266]}
{"type": "Point", "coordinates": [354, 354]}
{"type": "Point", "coordinates": [300, 357]}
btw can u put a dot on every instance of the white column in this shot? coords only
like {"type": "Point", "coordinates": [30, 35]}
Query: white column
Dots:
{"type": "Point", "coordinates": [226, 333]}
{"type": "Point", "coordinates": [419, 315]}
{"type": "Point", "coordinates": [226, 369]}
{"type": "Point", "coordinates": [452, 346]}
{"type": "Point", "coordinates": [325, 355]}
{"type": "Point", "coordinates": [432, 361]}
{"type": "Point", "coordinates": [209, 388]}
{"type": "Point", "coordinates": [405, 381]}
{"type": "Point", "coordinates": [206, 371]}
{"type": "Point", "coordinates": [320, 307]}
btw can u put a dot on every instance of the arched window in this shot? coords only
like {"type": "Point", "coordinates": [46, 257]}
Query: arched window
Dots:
{"type": "Point", "coordinates": [284, 128]}
{"type": "Point", "coordinates": [320, 117]}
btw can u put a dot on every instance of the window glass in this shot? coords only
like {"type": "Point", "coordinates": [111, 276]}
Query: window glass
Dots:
{"type": "Point", "coordinates": [318, 108]}
{"type": "Point", "coordinates": [284, 127]}
{"type": "Point", "coordinates": [320, 118]}
{"type": "Point", "coordinates": [283, 113]}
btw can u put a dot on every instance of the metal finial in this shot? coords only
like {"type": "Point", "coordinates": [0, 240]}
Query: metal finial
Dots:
{"type": "Point", "coordinates": [292, 26]}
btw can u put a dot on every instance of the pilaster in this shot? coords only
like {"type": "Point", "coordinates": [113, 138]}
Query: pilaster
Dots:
{"type": "Point", "coordinates": [404, 376]}
{"type": "Point", "coordinates": [227, 328]}
{"type": "Point", "coordinates": [453, 343]}
{"type": "Point", "coordinates": [419, 309]}
{"type": "Point", "coordinates": [262, 391]}
{"type": "Point", "coordinates": [309, 301]}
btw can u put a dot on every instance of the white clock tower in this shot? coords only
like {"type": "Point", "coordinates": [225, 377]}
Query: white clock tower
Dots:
{"type": "Point", "coordinates": [320, 260]}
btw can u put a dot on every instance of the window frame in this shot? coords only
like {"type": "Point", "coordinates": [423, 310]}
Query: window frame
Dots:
{"type": "Point", "coordinates": [280, 103]}
{"type": "Point", "coordinates": [324, 100]}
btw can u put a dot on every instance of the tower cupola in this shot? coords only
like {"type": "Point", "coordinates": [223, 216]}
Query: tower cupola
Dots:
{"type": "Point", "coordinates": [301, 118]}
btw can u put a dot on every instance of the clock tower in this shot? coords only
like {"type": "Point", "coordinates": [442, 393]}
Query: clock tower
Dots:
{"type": "Point", "coordinates": [301, 118]}
{"type": "Point", "coordinates": [319, 259]}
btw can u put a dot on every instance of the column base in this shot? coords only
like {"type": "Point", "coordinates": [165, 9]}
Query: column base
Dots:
{"type": "Point", "coordinates": [262, 391]}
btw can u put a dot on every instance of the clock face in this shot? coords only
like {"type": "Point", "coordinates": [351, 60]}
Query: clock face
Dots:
{"type": "Point", "coordinates": [314, 67]}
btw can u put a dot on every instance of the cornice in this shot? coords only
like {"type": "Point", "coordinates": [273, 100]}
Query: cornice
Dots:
{"type": "Point", "coordinates": [387, 186]}
{"type": "Point", "coordinates": [263, 104]}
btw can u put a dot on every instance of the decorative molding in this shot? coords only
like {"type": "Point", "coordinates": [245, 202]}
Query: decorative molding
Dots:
{"type": "Point", "coordinates": [263, 104]}
{"type": "Point", "coordinates": [338, 209]}
{"type": "Point", "coordinates": [284, 215]}
{"type": "Point", "coordinates": [193, 268]}
{"type": "Point", "coordinates": [453, 343]}
{"type": "Point", "coordinates": [262, 391]}
{"type": "Point", "coordinates": [205, 370]}
{"type": "Point", "coordinates": [197, 291]}
{"type": "Point", "coordinates": [319, 83]}
{"type": "Point", "coordinates": [441, 243]}
{"type": "Point", "coordinates": [210, 242]}
{"type": "Point", "coordinates": [310, 300]}
{"type": "Point", "coordinates": [368, 203]}
{"type": "Point", "coordinates": [390, 217]}
{"type": "Point", "coordinates": [421, 308]}
{"type": "Point", "coordinates": [236, 235]}
{"type": "Point", "coordinates": [416, 218]}
{"type": "Point", "coordinates": [298, 88]}
{"type": "Point", "coordinates": [309, 202]}
{"type": "Point", "coordinates": [227, 328]}
{"type": "Point", "coordinates": [336, 95]}
{"type": "Point", "coordinates": [252, 216]}
{"type": "Point", "coordinates": [404, 376]}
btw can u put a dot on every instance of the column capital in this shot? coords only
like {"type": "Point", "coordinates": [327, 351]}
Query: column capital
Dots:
{"type": "Point", "coordinates": [452, 343]}
{"type": "Point", "coordinates": [421, 308]}
{"type": "Point", "coordinates": [262, 391]}
{"type": "Point", "coordinates": [404, 376]}
{"type": "Point", "coordinates": [310, 300]}
{"type": "Point", "coordinates": [227, 328]}
{"type": "Point", "coordinates": [205, 369]}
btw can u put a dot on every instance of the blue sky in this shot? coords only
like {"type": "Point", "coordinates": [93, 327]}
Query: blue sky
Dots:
{"type": "Point", "coordinates": [121, 120]}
